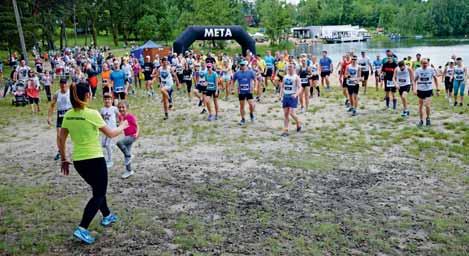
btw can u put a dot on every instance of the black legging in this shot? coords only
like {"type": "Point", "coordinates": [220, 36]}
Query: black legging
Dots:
{"type": "Point", "coordinates": [94, 172]}
{"type": "Point", "coordinates": [48, 94]}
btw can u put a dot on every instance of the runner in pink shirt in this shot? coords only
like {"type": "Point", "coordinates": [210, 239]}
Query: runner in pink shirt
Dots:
{"type": "Point", "coordinates": [131, 134]}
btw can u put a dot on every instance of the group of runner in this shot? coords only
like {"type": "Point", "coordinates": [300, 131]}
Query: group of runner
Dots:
{"type": "Point", "coordinates": [206, 78]}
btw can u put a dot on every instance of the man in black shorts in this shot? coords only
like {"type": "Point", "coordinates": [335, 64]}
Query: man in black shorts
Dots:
{"type": "Point", "coordinates": [147, 71]}
{"type": "Point", "coordinates": [246, 79]}
{"type": "Point", "coordinates": [365, 65]}
{"type": "Point", "coordinates": [424, 78]}
{"type": "Point", "coordinates": [389, 87]}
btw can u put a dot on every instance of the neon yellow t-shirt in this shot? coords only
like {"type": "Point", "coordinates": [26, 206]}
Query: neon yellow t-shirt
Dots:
{"type": "Point", "coordinates": [281, 67]}
{"type": "Point", "coordinates": [83, 127]}
{"type": "Point", "coordinates": [261, 64]}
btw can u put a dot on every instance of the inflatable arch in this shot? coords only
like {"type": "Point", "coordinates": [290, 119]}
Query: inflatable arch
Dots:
{"type": "Point", "coordinates": [193, 33]}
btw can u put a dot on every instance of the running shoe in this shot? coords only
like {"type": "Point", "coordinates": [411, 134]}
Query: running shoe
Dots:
{"type": "Point", "coordinates": [108, 220]}
{"type": "Point", "coordinates": [127, 174]}
{"type": "Point", "coordinates": [242, 122]}
{"type": "Point", "coordinates": [302, 110]}
{"type": "Point", "coordinates": [216, 117]}
{"type": "Point", "coordinates": [404, 114]}
{"type": "Point", "coordinates": [428, 122]}
{"type": "Point", "coordinates": [350, 110]}
{"type": "Point", "coordinates": [128, 160]}
{"type": "Point", "coordinates": [166, 116]}
{"type": "Point", "coordinates": [298, 129]}
{"type": "Point", "coordinates": [455, 103]}
{"type": "Point", "coordinates": [420, 124]}
{"type": "Point", "coordinates": [354, 112]}
{"type": "Point", "coordinates": [460, 104]}
{"type": "Point", "coordinates": [57, 157]}
{"type": "Point", "coordinates": [210, 118]}
{"type": "Point", "coordinates": [83, 235]}
{"type": "Point", "coordinates": [253, 118]}
{"type": "Point", "coordinates": [284, 134]}
{"type": "Point", "coordinates": [109, 165]}
{"type": "Point", "coordinates": [170, 105]}
{"type": "Point", "coordinates": [200, 103]}
{"type": "Point", "coordinates": [203, 111]}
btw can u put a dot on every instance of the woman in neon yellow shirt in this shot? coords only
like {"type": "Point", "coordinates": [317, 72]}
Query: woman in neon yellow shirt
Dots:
{"type": "Point", "coordinates": [83, 125]}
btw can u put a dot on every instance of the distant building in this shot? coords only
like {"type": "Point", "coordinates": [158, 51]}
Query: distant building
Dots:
{"type": "Point", "coordinates": [344, 33]}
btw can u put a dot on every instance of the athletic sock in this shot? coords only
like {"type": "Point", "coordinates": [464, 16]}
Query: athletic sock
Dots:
{"type": "Point", "coordinates": [387, 102]}
{"type": "Point", "coordinates": [394, 104]}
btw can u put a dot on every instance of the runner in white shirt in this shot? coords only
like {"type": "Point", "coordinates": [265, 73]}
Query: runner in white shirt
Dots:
{"type": "Point", "coordinates": [424, 90]}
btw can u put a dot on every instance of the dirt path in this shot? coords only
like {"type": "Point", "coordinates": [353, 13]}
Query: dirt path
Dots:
{"type": "Point", "coordinates": [345, 186]}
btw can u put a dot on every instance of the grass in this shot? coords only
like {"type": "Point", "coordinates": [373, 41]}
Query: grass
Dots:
{"type": "Point", "coordinates": [261, 209]}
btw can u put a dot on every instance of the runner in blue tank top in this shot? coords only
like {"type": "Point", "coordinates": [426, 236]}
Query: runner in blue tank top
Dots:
{"type": "Point", "coordinates": [211, 91]}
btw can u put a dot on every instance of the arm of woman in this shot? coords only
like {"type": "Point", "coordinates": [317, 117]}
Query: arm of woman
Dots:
{"type": "Point", "coordinates": [65, 168]}
{"type": "Point", "coordinates": [111, 133]}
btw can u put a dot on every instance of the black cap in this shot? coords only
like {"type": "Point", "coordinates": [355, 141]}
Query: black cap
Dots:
{"type": "Point", "coordinates": [63, 80]}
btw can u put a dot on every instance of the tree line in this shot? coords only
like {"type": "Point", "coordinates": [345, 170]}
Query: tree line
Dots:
{"type": "Point", "coordinates": [47, 21]}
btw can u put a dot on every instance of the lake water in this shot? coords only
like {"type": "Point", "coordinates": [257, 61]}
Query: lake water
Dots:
{"type": "Point", "coordinates": [438, 50]}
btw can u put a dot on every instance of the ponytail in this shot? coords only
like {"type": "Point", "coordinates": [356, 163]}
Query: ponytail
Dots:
{"type": "Point", "coordinates": [78, 94]}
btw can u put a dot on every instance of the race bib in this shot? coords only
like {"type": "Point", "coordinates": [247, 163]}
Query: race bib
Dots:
{"type": "Point", "coordinates": [187, 78]}
{"type": "Point", "coordinates": [401, 80]}
{"type": "Point", "coordinates": [61, 113]}
{"type": "Point", "coordinates": [288, 88]}
{"type": "Point", "coordinates": [244, 87]}
{"type": "Point", "coordinates": [389, 83]}
{"type": "Point", "coordinates": [304, 80]}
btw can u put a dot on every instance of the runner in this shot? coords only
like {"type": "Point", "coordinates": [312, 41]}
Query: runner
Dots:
{"type": "Point", "coordinates": [343, 79]}
{"type": "Point", "coordinates": [136, 72]}
{"type": "Point", "coordinates": [246, 82]}
{"type": "Point", "coordinates": [226, 78]}
{"type": "Point", "coordinates": [83, 125]}
{"type": "Point", "coordinates": [377, 65]}
{"type": "Point", "coordinates": [199, 79]}
{"type": "Point", "coordinates": [269, 70]}
{"type": "Point", "coordinates": [187, 79]}
{"type": "Point", "coordinates": [403, 80]}
{"type": "Point", "coordinates": [353, 77]}
{"type": "Point", "coordinates": [290, 90]}
{"type": "Point", "coordinates": [424, 90]}
{"type": "Point", "coordinates": [460, 73]}
{"type": "Point", "coordinates": [314, 76]}
{"type": "Point", "coordinates": [130, 136]}
{"type": "Point", "coordinates": [147, 73]}
{"type": "Point", "coordinates": [261, 67]}
{"type": "Point", "coordinates": [449, 79]}
{"type": "Point", "coordinates": [22, 71]}
{"type": "Point", "coordinates": [389, 87]}
{"type": "Point", "coordinates": [417, 63]}
{"type": "Point", "coordinates": [32, 91]}
{"type": "Point", "coordinates": [106, 77]}
{"type": "Point", "coordinates": [166, 76]}
{"type": "Point", "coordinates": [280, 70]}
{"type": "Point", "coordinates": [47, 81]}
{"type": "Point", "coordinates": [118, 83]}
{"type": "Point", "coordinates": [366, 69]}
{"type": "Point", "coordinates": [304, 74]}
{"type": "Point", "coordinates": [325, 69]}
{"type": "Point", "coordinates": [211, 92]}
{"type": "Point", "coordinates": [62, 99]}
{"type": "Point", "coordinates": [109, 113]}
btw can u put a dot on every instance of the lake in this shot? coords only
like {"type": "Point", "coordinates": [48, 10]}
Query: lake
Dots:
{"type": "Point", "coordinates": [439, 50]}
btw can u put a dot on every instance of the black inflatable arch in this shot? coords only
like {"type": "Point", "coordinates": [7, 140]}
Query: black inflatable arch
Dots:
{"type": "Point", "coordinates": [193, 33]}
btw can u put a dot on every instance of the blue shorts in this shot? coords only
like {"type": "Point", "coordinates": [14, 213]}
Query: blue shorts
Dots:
{"type": "Point", "coordinates": [289, 101]}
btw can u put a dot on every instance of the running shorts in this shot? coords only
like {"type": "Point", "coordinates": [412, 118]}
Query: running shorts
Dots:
{"type": "Point", "coordinates": [424, 94]}
{"type": "Point", "coordinates": [405, 88]}
{"type": "Point", "coordinates": [289, 101]}
{"type": "Point", "coordinates": [325, 73]}
{"type": "Point", "coordinates": [365, 75]}
{"type": "Point", "coordinates": [449, 84]}
{"type": "Point", "coordinates": [353, 89]}
{"type": "Point", "coordinates": [33, 100]}
{"type": "Point", "coordinates": [119, 95]}
{"type": "Point", "coordinates": [245, 96]}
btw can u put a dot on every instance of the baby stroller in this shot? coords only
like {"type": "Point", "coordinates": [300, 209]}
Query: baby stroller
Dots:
{"type": "Point", "coordinates": [19, 92]}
